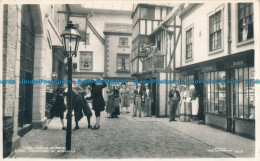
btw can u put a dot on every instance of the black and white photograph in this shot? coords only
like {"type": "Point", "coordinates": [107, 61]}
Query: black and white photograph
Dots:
{"type": "Point", "coordinates": [128, 79]}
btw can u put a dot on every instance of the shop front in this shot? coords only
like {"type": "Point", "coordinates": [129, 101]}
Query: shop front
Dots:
{"type": "Point", "coordinates": [226, 92]}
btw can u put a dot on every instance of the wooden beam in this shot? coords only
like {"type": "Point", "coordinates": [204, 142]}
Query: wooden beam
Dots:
{"type": "Point", "coordinates": [175, 46]}
{"type": "Point", "coordinates": [77, 13]}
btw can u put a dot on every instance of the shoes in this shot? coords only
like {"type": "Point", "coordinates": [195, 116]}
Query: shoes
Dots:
{"type": "Point", "coordinates": [89, 126]}
{"type": "Point", "coordinates": [76, 128]}
{"type": "Point", "coordinates": [150, 116]}
{"type": "Point", "coordinates": [172, 120]}
{"type": "Point", "coordinates": [45, 128]}
{"type": "Point", "coordinates": [63, 128]}
{"type": "Point", "coordinates": [127, 112]}
{"type": "Point", "coordinates": [140, 116]}
{"type": "Point", "coordinates": [95, 127]}
{"type": "Point", "coordinates": [134, 116]}
{"type": "Point", "coordinates": [116, 116]}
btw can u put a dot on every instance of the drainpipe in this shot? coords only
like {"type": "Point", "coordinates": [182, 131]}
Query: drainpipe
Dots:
{"type": "Point", "coordinates": [229, 29]}
{"type": "Point", "coordinates": [229, 87]}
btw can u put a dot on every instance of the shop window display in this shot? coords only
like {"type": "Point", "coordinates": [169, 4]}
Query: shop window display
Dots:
{"type": "Point", "coordinates": [215, 94]}
{"type": "Point", "coordinates": [244, 94]}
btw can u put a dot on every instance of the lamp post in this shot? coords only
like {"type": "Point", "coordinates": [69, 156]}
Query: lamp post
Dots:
{"type": "Point", "coordinates": [70, 38]}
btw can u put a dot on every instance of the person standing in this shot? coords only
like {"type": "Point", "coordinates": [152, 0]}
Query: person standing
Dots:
{"type": "Point", "coordinates": [116, 96]}
{"type": "Point", "coordinates": [148, 101]}
{"type": "Point", "coordinates": [98, 103]}
{"type": "Point", "coordinates": [124, 96]}
{"type": "Point", "coordinates": [174, 96]}
{"type": "Point", "coordinates": [138, 94]}
{"type": "Point", "coordinates": [111, 101]}
{"type": "Point", "coordinates": [182, 110]}
{"type": "Point", "coordinates": [57, 109]}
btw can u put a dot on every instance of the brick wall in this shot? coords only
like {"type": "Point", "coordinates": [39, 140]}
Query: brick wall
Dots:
{"type": "Point", "coordinates": [10, 37]}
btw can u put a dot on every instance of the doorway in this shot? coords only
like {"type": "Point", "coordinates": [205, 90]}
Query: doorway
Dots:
{"type": "Point", "coordinates": [26, 67]}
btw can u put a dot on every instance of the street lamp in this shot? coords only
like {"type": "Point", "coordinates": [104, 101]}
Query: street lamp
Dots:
{"type": "Point", "coordinates": [70, 37]}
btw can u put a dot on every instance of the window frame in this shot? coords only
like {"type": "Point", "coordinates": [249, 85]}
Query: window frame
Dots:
{"type": "Point", "coordinates": [87, 52]}
{"type": "Point", "coordinates": [117, 63]}
{"type": "Point", "coordinates": [191, 27]}
{"type": "Point", "coordinates": [207, 91]}
{"type": "Point", "coordinates": [235, 104]}
{"type": "Point", "coordinates": [120, 42]}
{"type": "Point", "coordinates": [238, 24]}
{"type": "Point", "coordinates": [221, 10]}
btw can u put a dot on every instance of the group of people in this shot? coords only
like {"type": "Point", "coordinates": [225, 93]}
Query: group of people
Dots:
{"type": "Point", "coordinates": [80, 106]}
{"type": "Point", "coordinates": [142, 101]}
{"type": "Point", "coordinates": [179, 101]}
{"type": "Point", "coordinates": [117, 96]}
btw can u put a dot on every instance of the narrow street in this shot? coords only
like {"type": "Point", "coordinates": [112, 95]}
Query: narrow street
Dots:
{"type": "Point", "coordinates": [124, 137]}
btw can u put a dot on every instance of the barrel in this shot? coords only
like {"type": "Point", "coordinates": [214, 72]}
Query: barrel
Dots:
{"type": "Point", "coordinates": [8, 125]}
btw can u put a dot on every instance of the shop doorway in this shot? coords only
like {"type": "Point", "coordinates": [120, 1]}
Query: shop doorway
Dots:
{"type": "Point", "coordinates": [199, 88]}
{"type": "Point", "coordinates": [154, 95]}
{"type": "Point", "coordinates": [26, 67]}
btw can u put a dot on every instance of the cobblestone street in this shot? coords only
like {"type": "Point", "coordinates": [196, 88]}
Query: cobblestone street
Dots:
{"type": "Point", "coordinates": [125, 137]}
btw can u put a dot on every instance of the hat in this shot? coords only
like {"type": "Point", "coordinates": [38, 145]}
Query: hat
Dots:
{"type": "Point", "coordinates": [139, 85]}
{"type": "Point", "coordinates": [123, 84]}
{"type": "Point", "coordinates": [173, 85]}
{"type": "Point", "coordinates": [192, 87]}
{"type": "Point", "coordinates": [146, 84]}
{"type": "Point", "coordinates": [183, 85]}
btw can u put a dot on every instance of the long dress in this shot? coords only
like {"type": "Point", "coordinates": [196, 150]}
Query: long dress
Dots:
{"type": "Point", "coordinates": [124, 95]}
{"type": "Point", "coordinates": [182, 110]}
{"type": "Point", "coordinates": [194, 102]}
{"type": "Point", "coordinates": [116, 96]}
{"type": "Point", "coordinates": [110, 102]}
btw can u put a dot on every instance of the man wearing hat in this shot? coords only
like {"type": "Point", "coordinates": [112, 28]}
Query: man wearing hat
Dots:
{"type": "Point", "coordinates": [138, 99]}
{"type": "Point", "coordinates": [174, 96]}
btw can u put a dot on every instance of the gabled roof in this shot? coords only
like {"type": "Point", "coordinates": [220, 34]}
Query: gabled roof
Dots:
{"type": "Point", "coordinates": [189, 9]}
{"type": "Point", "coordinates": [118, 28]}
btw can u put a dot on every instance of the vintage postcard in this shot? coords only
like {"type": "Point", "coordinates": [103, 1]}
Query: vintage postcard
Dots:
{"type": "Point", "coordinates": [130, 79]}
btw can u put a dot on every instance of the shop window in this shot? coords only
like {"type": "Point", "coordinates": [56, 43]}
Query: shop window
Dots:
{"type": "Point", "coordinates": [244, 94]}
{"type": "Point", "coordinates": [245, 21]}
{"type": "Point", "coordinates": [215, 94]}
{"type": "Point", "coordinates": [123, 63]}
{"type": "Point", "coordinates": [189, 44]}
{"type": "Point", "coordinates": [86, 60]}
{"type": "Point", "coordinates": [215, 31]}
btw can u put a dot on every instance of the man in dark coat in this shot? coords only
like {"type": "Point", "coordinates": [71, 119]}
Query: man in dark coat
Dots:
{"type": "Point", "coordinates": [174, 101]}
{"type": "Point", "coordinates": [98, 103]}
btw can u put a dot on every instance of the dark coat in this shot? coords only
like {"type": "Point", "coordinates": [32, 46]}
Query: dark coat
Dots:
{"type": "Point", "coordinates": [176, 92]}
{"type": "Point", "coordinates": [98, 103]}
{"type": "Point", "coordinates": [58, 107]}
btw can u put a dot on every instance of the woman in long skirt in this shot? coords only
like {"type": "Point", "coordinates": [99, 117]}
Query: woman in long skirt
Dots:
{"type": "Point", "coordinates": [124, 96]}
{"type": "Point", "coordinates": [111, 101]}
{"type": "Point", "coordinates": [116, 98]}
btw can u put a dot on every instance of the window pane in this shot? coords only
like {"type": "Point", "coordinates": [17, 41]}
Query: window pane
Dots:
{"type": "Point", "coordinates": [157, 13]}
{"type": "Point", "coordinates": [149, 27]}
{"type": "Point", "coordinates": [240, 112]}
{"type": "Point", "coordinates": [142, 27]}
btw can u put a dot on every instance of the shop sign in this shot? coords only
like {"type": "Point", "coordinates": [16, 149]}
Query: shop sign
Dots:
{"type": "Point", "coordinates": [238, 63]}
{"type": "Point", "coordinates": [209, 68]}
